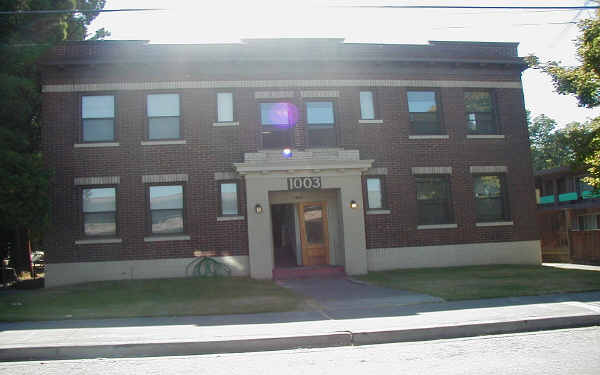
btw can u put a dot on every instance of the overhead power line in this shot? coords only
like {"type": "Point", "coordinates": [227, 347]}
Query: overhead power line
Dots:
{"type": "Point", "coordinates": [585, 7]}
{"type": "Point", "coordinates": [74, 11]}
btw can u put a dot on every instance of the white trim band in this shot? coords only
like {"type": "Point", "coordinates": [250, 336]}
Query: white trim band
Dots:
{"type": "Point", "coordinates": [166, 238]}
{"type": "Point", "coordinates": [96, 144]}
{"type": "Point", "coordinates": [225, 124]}
{"type": "Point", "coordinates": [230, 218]}
{"type": "Point", "coordinates": [431, 170]}
{"type": "Point", "coordinates": [432, 136]}
{"type": "Point", "coordinates": [98, 241]}
{"type": "Point", "coordinates": [495, 224]}
{"type": "Point", "coordinates": [273, 94]}
{"type": "Point", "coordinates": [99, 180]}
{"type": "Point", "coordinates": [159, 143]}
{"type": "Point", "coordinates": [489, 169]}
{"type": "Point", "coordinates": [364, 122]}
{"type": "Point", "coordinates": [160, 178]}
{"type": "Point", "coordinates": [485, 136]}
{"type": "Point", "coordinates": [438, 226]}
{"type": "Point", "coordinates": [172, 85]}
{"type": "Point", "coordinates": [379, 212]}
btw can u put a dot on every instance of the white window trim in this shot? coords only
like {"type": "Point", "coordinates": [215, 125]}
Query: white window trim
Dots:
{"type": "Point", "coordinates": [98, 241]}
{"type": "Point", "coordinates": [429, 136]}
{"type": "Point", "coordinates": [230, 218]}
{"type": "Point", "coordinates": [96, 144]}
{"type": "Point", "coordinates": [495, 224]}
{"type": "Point", "coordinates": [226, 124]}
{"type": "Point", "coordinates": [378, 212]}
{"type": "Point", "coordinates": [485, 136]}
{"type": "Point", "coordinates": [160, 143]}
{"type": "Point", "coordinates": [161, 238]}
{"type": "Point", "coordinates": [371, 121]}
{"type": "Point", "coordinates": [438, 226]}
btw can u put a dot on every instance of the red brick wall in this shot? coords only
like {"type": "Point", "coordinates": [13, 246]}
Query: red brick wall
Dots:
{"type": "Point", "coordinates": [213, 149]}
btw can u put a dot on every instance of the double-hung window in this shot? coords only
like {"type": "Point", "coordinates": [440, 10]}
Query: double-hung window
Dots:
{"type": "Point", "coordinates": [375, 193]}
{"type": "Point", "coordinates": [99, 206]}
{"type": "Point", "coordinates": [320, 120]}
{"type": "Point", "coordinates": [228, 203]}
{"type": "Point", "coordinates": [367, 105]}
{"type": "Point", "coordinates": [479, 108]}
{"type": "Point", "coordinates": [588, 222]}
{"type": "Point", "coordinates": [434, 203]}
{"type": "Point", "coordinates": [424, 111]}
{"type": "Point", "coordinates": [166, 209]}
{"type": "Point", "coordinates": [491, 203]}
{"type": "Point", "coordinates": [98, 118]}
{"type": "Point", "coordinates": [225, 107]}
{"type": "Point", "coordinates": [277, 120]}
{"type": "Point", "coordinates": [163, 116]}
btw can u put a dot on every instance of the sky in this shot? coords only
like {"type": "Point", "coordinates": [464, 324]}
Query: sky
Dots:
{"type": "Point", "coordinates": [550, 35]}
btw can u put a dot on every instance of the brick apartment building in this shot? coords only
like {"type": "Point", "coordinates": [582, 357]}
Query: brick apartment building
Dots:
{"type": "Point", "coordinates": [285, 153]}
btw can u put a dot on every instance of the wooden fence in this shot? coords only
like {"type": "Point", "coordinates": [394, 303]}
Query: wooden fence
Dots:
{"type": "Point", "coordinates": [585, 246]}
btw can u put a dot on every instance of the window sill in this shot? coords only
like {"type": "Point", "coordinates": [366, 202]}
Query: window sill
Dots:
{"type": "Point", "coordinates": [485, 136]}
{"type": "Point", "coordinates": [96, 144]}
{"type": "Point", "coordinates": [494, 224]}
{"type": "Point", "coordinates": [166, 238]}
{"type": "Point", "coordinates": [429, 136]}
{"type": "Point", "coordinates": [372, 121]}
{"type": "Point", "coordinates": [230, 218]}
{"type": "Point", "coordinates": [98, 241]}
{"type": "Point", "coordinates": [158, 143]}
{"type": "Point", "coordinates": [379, 212]}
{"type": "Point", "coordinates": [228, 123]}
{"type": "Point", "coordinates": [438, 226]}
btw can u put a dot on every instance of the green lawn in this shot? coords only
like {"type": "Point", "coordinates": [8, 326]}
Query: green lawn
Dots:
{"type": "Point", "coordinates": [460, 283]}
{"type": "Point", "coordinates": [158, 297]}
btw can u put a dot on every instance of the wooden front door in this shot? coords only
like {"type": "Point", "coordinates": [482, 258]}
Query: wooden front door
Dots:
{"type": "Point", "coordinates": [314, 233]}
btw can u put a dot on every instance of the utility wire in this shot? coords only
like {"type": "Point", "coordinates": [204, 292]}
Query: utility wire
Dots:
{"type": "Point", "coordinates": [578, 8]}
{"type": "Point", "coordinates": [75, 11]}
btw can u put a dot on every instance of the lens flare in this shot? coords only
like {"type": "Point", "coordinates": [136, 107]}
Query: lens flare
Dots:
{"type": "Point", "coordinates": [287, 153]}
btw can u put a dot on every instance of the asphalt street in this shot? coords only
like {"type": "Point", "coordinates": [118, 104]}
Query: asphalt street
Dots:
{"type": "Point", "coordinates": [568, 351]}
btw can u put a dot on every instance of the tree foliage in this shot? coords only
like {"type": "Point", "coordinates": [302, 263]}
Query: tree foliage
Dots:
{"type": "Point", "coordinates": [547, 150]}
{"type": "Point", "coordinates": [24, 180]}
{"type": "Point", "coordinates": [582, 81]}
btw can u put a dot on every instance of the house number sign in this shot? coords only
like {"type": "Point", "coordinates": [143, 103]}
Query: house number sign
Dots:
{"type": "Point", "coordinates": [304, 183]}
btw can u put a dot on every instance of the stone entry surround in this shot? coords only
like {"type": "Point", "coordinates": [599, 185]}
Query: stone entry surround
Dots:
{"type": "Point", "coordinates": [268, 171]}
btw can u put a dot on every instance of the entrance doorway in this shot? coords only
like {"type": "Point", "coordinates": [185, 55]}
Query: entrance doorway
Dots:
{"type": "Point", "coordinates": [284, 235]}
{"type": "Point", "coordinates": [314, 234]}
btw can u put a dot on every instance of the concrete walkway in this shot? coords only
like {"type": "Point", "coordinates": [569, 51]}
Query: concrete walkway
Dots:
{"type": "Point", "coordinates": [572, 266]}
{"type": "Point", "coordinates": [300, 329]}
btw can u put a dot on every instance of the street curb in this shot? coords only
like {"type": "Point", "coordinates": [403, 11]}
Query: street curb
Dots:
{"type": "Point", "coordinates": [336, 339]}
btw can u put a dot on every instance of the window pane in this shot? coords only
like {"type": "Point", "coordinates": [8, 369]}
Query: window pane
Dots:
{"type": "Point", "coordinates": [434, 212]}
{"type": "Point", "coordinates": [490, 209]}
{"type": "Point", "coordinates": [224, 106]}
{"type": "Point", "coordinates": [163, 128]}
{"type": "Point", "coordinates": [320, 113]}
{"type": "Point", "coordinates": [275, 113]}
{"type": "Point", "coordinates": [99, 200]}
{"type": "Point", "coordinates": [478, 101]}
{"type": "Point", "coordinates": [421, 101]}
{"type": "Point", "coordinates": [275, 137]}
{"type": "Point", "coordinates": [322, 137]}
{"type": "Point", "coordinates": [313, 224]}
{"type": "Point", "coordinates": [488, 187]}
{"type": "Point", "coordinates": [163, 105]}
{"type": "Point", "coordinates": [98, 106]}
{"type": "Point", "coordinates": [99, 224]}
{"type": "Point", "coordinates": [374, 193]}
{"type": "Point", "coordinates": [167, 221]}
{"type": "Point", "coordinates": [98, 130]}
{"type": "Point", "coordinates": [481, 123]}
{"type": "Point", "coordinates": [432, 188]}
{"type": "Point", "coordinates": [367, 110]}
{"type": "Point", "coordinates": [229, 204]}
{"type": "Point", "coordinates": [166, 197]}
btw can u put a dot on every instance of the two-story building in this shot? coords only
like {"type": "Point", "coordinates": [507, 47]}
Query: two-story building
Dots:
{"type": "Point", "coordinates": [568, 216]}
{"type": "Point", "coordinates": [275, 154]}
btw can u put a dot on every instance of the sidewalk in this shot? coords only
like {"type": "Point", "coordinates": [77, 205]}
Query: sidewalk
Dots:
{"type": "Point", "coordinates": [335, 326]}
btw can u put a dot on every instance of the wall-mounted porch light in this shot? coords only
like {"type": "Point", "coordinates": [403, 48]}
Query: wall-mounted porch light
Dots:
{"type": "Point", "coordinates": [258, 208]}
{"type": "Point", "coordinates": [353, 204]}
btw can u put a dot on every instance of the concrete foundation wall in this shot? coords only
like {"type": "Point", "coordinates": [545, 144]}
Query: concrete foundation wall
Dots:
{"type": "Point", "coordinates": [72, 273]}
{"type": "Point", "coordinates": [516, 252]}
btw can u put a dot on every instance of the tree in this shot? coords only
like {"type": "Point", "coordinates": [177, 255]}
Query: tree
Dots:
{"type": "Point", "coordinates": [24, 37]}
{"type": "Point", "coordinates": [583, 81]}
{"type": "Point", "coordinates": [547, 150]}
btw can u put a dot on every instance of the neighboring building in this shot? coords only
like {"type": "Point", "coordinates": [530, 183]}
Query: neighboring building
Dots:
{"type": "Point", "coordinates": [568, 216]}
{"type": "Point", "coordinates": [401, 156]}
